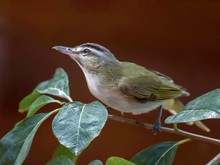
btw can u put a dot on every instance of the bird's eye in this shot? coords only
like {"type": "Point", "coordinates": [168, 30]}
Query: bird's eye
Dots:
{"type": "Point", "coordinates": [86, 50]}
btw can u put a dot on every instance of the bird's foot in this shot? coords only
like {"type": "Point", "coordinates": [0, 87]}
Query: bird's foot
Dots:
{"type": "Point", "coordinates": [157, 127]}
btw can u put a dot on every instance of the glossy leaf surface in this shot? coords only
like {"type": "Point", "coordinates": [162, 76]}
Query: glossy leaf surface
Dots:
{"type": "Point", "coordinates": [39, 103]}
{"type": "Point", "coordinates": [116, 161]}
{"type": "Point", "coordinates": [77, 124]}
{"type": "Point", "coordinates": [57, 86]}
{"type": "Point", "coordinates": [26, 102]}
{"type": "Point", "coordinates": [63, 151]}
{"type": "Point", "coordinates": [15, 145]}
{"type": "Point", "coordinates": [206, 106]}
{"type": "Point", "coordinates": [95, 162]}
{"type": "Point", "coordinates": [159, 154]}
{"type": "Point", "coordinates": [60, 160]}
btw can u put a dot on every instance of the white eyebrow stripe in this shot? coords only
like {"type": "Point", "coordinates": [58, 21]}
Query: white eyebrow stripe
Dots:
{"type": "Point", "coordinates": [78, 49]}
{"type": "Point", "coordinates": [95, 51]}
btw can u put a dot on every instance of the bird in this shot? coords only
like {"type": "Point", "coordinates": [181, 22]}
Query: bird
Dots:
{"type": "Point", "coordinates": [123, 86]}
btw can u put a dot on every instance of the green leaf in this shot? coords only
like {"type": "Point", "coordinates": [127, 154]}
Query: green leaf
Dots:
{"type": "Point", "coordinates": [63, 151]}
{"type": "Point", "coordinates": [118, 161]}
{"type": "Point", "coordinates": [60, 160]}
{"type": "Point", "coordinates": [95, 162]}
{"type": "Point", "coordinates": [15, 145]}
{"type": "Point", "coordinates": [26, 102]}
{"type": "Point", "coordinates": [206, 106]}
{"type": "Point", "coordinates": [159, 154]}
{"type": "Point", "coordinates": [39, 103]}
{"type": "Point", "coordinates": [77, 124]}
{"type": "Point", "coordinates": [57, 86]}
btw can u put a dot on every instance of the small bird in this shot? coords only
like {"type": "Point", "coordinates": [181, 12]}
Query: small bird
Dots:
{"type": "Point", "coordinates": [123, 86]}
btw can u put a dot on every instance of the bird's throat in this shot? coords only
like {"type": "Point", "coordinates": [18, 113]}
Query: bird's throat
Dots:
{"type": "Point", "coordinates": [103, 76]}
{"type": "Point", "coordinates": [103, 81]}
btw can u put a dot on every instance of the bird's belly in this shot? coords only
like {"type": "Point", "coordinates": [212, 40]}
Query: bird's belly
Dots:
{"type": "Point", "coordinates": [116, 100]}
{"type": "Point", "coordinates": [113, 98]}
{"type": "Point", "coordinates": [130, 105]}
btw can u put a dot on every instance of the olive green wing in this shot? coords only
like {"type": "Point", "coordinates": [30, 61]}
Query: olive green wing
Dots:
{"type": "Point", "coordinates": [143, 88]}
{"type": "Point", "coordinates": [161, 75]}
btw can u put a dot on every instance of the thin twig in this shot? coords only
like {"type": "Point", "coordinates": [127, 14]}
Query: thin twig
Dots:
{"type": "Point", "coordinates": [215, 160]}
{"type": "Point", "coordinates": [166, 129]}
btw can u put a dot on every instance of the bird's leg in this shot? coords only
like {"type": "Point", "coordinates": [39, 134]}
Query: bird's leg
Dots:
{"type": "Point", "coordinates": [157, 124]}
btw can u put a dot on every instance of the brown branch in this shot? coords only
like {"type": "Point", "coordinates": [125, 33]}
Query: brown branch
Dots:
{"type": "Point", "coordinates": [166, 129]}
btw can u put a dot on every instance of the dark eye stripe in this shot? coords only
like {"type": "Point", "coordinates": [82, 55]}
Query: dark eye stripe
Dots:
{"type": "Point", "coordinates": [96, 47]}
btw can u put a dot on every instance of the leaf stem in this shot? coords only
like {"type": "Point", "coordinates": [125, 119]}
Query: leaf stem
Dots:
{"type": "Point", "coordinates": [69, 99]}
{"type": "Point", "coordinates": [175, 126]}
{"type": "Point", "coordinates": [166, 129]}
{"type": "Point", "coordinates": [55, 110]}
{"type": "Point", "coordinates": [184, 141]}
{"type": "Point", "coordinates": [74, 160]}
{"type": "Point", "coordinates": [59, 102]}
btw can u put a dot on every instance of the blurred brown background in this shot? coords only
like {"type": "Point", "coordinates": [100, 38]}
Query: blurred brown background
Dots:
{"type": "Point", "coordinates": [178, 38]}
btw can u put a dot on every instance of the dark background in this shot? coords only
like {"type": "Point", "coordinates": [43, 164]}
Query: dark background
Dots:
{"type": "Point", "coordinates": [178, 38]}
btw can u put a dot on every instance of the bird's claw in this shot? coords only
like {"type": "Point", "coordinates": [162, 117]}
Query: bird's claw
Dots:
{"type": "Point", "coordinates": [157, 127]}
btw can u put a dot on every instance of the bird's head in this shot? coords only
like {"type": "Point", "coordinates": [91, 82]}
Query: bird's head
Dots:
{"type": "Point", "coordinates": [89, 56]}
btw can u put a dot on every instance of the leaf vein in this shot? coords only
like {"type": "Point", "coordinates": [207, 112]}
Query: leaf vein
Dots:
{"type": "Point", "coordinates": [78, 128]}
{"type": "Point", "coordinates": [166, 152]}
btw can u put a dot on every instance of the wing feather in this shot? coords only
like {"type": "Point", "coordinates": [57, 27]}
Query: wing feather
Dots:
{"type": "Point", "coordinates": [143, 88]}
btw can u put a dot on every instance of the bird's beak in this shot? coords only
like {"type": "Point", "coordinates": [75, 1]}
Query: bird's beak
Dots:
{"type": "Point", "coordinates": [66, 50]}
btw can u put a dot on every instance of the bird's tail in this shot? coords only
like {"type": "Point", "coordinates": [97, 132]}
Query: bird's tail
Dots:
{"type": "Point", "coordinates": [174, 106]}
